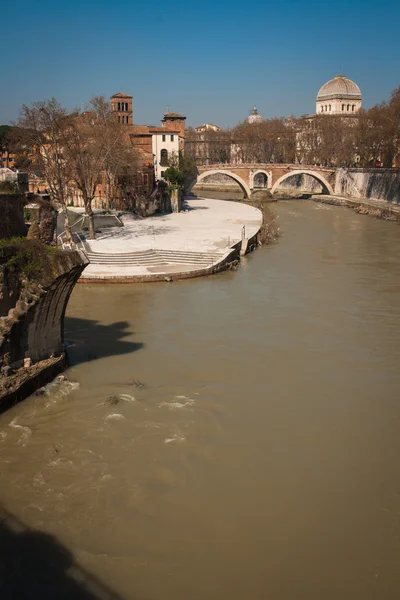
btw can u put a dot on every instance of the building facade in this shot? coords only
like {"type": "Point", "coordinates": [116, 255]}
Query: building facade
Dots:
{"type": "Point", "coordinates": [165, 147]}
{"type": "Point", "coordinates": [207, 127]}
{"type": "Point", "coordinates": [339, 96]}
{"type": "Point", "coordinates": [157, 145]}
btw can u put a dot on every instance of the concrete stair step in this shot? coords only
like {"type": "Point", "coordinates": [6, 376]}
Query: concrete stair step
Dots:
{"type": "Point", "coordinates": [151, 253]}
{"type": "Point", "coordinates": [154, 258]}
{"type": "Point", "coordinates": [153, 262]}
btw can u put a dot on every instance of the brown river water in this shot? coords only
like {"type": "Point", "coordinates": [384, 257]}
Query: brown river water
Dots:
{"type": "Point", "coordinates": [261, 457]}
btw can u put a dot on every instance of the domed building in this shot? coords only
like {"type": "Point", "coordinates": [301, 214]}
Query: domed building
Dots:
{"type": "Point", "coordinates": [254, 117]}
{"type": "Point", "coordinates": [339, 96]}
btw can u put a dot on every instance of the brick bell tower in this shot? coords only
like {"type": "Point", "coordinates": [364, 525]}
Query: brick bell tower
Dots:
{"type": "Point", "coordinates": [121, 105]}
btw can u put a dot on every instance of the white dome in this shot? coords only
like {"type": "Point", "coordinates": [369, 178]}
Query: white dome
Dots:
{"type": "Point", "coordinates": [254, 117]}
{"type": "Point", "coordinates": [339, 87]}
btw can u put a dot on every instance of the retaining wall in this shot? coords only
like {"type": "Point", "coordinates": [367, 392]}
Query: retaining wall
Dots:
{"type": "Point", "coordinates": [379, 184]}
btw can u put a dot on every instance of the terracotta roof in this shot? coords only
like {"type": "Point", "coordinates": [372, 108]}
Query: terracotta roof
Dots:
{"type": "Point", "coordinates": [121, 95]}
{"type": "Point", "coordinates": [163, 130]}
{"type": "Point", "coordinates": [139, 129]}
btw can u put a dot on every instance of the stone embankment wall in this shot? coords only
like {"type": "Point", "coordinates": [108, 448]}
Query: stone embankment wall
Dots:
{"type": "Point", "coordinates": [32, 320]}
{"type": "Point", "coordinates": [301, 182]}
{"type": "Point", "coordinates": [378, 184]}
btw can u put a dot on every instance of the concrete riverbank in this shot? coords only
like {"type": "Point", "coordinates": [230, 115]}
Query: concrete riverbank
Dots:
{"type": "Point", "coordinates": [203, 239]}
{"type": "Point", "coordinates": [380, 209]}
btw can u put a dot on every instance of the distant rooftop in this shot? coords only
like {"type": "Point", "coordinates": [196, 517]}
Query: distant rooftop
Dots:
{"type": "Point", "coordinates": [121, 95]}
{"type": "Point", "coordinates": [173, 115]}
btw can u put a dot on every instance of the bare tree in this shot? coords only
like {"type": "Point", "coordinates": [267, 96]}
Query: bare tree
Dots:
{"type": "Point", "coordinates": [86, 159]}
{"type": "Point", "coordinates": [112, 138]}
{"type": "Point", "coordinates": [43, 130]}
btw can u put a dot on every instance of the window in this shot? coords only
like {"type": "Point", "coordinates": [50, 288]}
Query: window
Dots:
{"type": "Point", "coordinates": [126, 106]}
{"type": "Point", "coordinates": [322, 109]}
{"type": "Point", "coordinates": [164, 157]}
{"type": "Point", "coordinates": [119, 105]}
{"type": "Point", "coordinates": [162, 173]}
{"type": "Point", "coordinates": [123, 119]}
{"type": "Point", "coordinates": [330, 108]}
{"type": "Point", "coordinates": [353, 107]}
{"type": "Point", "coordinates": [172, 138]}
{"type": "Point", "coordinates": [163, 138]}
{"type": "Point", "coordinates": [119, 119]}
{"type": "Point", "coordinates": [127, 119]}
{"type": "Point", "coordinates": [348, 107]}
{"type": "Point", "coordinates": [342, 107]}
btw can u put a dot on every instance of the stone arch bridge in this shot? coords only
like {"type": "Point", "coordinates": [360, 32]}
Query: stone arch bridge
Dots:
{"type": "Point", "coordinates": [269, 176]}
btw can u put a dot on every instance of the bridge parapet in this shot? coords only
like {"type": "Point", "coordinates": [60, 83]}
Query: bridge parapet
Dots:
{"type": "Point", "coordinates": [270, 166]}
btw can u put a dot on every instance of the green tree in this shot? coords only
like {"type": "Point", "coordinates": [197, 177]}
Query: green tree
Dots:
{"type": "Point", "coordinates": [174, 176]}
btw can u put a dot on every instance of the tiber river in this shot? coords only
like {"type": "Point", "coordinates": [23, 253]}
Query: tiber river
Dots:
{"type": "Point", "coordinates": [261, 457]}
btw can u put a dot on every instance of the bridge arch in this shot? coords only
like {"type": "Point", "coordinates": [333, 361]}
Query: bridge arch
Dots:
{"type": "Point", "coordinates": [260, 179]}
{"type": "Point", "coordinates": [320, 178]}
{"type": "Point", "coordinates": [238, 179]}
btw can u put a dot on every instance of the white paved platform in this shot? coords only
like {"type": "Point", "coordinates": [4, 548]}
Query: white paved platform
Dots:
{"type": "Point", "coordinates": [209, 227]}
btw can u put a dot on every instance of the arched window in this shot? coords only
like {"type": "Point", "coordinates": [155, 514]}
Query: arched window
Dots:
{"type": "Point", "coordinates": [322, 109]}
{"type": "Point", "coordinates": [127, 119]}
{"type": "Point", "coordinates": [326, 108]}
{"type": "Point", "coordinates": [119, 105]}
{"type": "Point", "coordinates": [164, 157]}
{"type": "Point", "coordinates": [126, 106]}
{"type": "Point", "coordinates": [330, 108]}
{"type": "Point", "coordinates": [119, 119]}
{"type": "Point", "coordinates": [353, 107]}
{"type": "Point", "coordinates": [342, 107]}
{"type": "Point", "coordinates": [348, 107]}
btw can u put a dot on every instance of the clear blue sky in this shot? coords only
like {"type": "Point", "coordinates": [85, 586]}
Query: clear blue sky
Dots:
{"type": "Point", "coordinates": [209, 60]}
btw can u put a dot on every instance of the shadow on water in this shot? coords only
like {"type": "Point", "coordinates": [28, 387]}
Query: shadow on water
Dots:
{"type": "Point", "coordinates": [35, 566]}
{"type": "Point", "coordinates": [88, 340]}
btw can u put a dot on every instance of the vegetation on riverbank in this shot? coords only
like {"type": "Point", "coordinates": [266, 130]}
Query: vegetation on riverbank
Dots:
{"type": "Point", "coordinates": [28, 258]}
{"type": "Point", "coordinates": [269, 230]}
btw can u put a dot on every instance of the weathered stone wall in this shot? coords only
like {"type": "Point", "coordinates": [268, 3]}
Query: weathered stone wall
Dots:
{"type": "Point", "coordinates": [379, 184]}
{"type": "Point", "coordinates": [159, 201]}
{"type": "Point", "coordinates": [32, 322]}
{"type": "Point", "coordinates": [33, 327]}
{"type": "Point", "coordinates": [219, 179]}
{"type": "Point", "coordinates": [176, 200]}
{"type": "Point", "coordinates": [43, 220]}
{"type": "Point", "coordinates": [301, 182]}
{"type": "Point", "coordinates": [12, 215]}
{"type": "Point", "coordinates": [217, 182]}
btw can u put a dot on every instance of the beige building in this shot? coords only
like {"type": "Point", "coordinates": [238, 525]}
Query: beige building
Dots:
{"type": "Point", "coordinates": [339, 96]}
{"type": "Point", "coordinates": [207, 127]}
